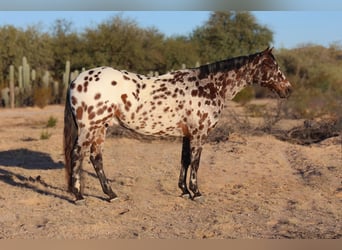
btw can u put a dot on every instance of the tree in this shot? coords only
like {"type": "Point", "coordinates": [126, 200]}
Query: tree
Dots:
{"type": "Point", "coordinates": [113, 43]}
{"type": "Point", "coordinates": [120, 43]}
{"type": "Point", "coordinates": [66, 45]}
{"type": "Point", "coordinates": [10, 39]}
{"type": "Point", "coordinates": [38, 48]}
{"type": "Point", "coordinates": [180, 50]}
{"type": "Point", "coordinates": [229, 34]}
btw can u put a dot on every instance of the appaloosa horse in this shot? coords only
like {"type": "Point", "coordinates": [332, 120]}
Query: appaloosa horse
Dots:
{"type": "Point", "coordinates": [185, 103]}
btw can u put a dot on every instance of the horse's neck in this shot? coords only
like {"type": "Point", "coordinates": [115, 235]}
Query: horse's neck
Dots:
{"type": "Point", "coordinates": [231, 75]}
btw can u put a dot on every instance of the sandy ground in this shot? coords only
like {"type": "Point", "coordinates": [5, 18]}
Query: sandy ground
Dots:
{"type": "Point", "coordinates": [253, 186]}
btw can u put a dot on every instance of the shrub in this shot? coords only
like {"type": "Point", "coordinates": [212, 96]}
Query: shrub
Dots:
{"type": "Point", "coordinates": [41, 96]}
{"type": "Point", "coordinates": [244, 95]}
{"type": "Point", "coordinates": [51, 123]}
{"type": "Point", "coordinates": [44, 135]}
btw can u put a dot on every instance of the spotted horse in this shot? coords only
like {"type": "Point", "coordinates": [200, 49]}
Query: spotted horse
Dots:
{"type": "Point", "coordinates": [185, 103]}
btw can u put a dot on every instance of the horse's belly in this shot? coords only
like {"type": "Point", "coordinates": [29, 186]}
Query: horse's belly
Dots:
{"type": "Point", "coordinates": [154, 127]}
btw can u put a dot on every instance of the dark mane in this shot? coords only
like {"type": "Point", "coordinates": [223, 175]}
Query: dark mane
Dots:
{"type": "Point", "coordinates": [225, 65]}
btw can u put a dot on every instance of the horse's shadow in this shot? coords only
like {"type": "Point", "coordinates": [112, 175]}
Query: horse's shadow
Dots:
{"type": "Point", "coordinates": [30, 160]}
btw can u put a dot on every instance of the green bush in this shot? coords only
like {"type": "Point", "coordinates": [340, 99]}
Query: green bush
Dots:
{"type": "Point", "coordinates": [316, 75]}
{"type": "Point", "coordinates": [244, 95]}
{"type": "Point", "coordinates": [51, 123]}
{"type": "Point", "coordinates": [41, 96]}
{"type": "Point", "coordinates": [44, 135]}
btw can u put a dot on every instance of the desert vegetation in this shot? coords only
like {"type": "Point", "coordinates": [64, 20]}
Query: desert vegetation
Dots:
{"type": "Point", "coordinates": [271, 167]}
{"type": "Point", "coordinates": [37, 66]}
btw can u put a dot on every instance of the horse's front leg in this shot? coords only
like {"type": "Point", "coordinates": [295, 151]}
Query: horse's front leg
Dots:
{"type": "Point", "coordinates": [195, 161]}
{"type": "Point", "coordinates": [185, 162]}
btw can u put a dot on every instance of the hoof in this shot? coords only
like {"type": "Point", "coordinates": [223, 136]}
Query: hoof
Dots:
{"type": "Point", "coordinates": [197, 197]}
{"type": "Point", "coordinates": [80, 202]}
{"type": "Point", "coordinates": [112, 199]}
{"type": "Point", "coordinates": [186, 195]}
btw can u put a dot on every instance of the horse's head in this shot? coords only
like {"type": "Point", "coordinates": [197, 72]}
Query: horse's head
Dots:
{"type": "Point", "coordinates": [267, 74]}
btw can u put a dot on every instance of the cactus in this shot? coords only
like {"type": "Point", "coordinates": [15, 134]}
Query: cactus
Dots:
{"type": "Point", "coordinates": [74, 74]}
{"type": "Point", "coordinates": [5, 97]}
{"type": "Point", "coordinates": [55, 90]}
{"type": "Point", "coordinates": [33, 75]}
{"type": "Point", "coordinates": [66, 78]}
{"type": "Point", "coordinates": [46, 79]}
{"type": "Point", "coordinates": [26, 76]}
{"type": "Point", "coordinates": [20, 78]}
{"type": "Point", "coordinates": [66, 75]}
{"type": "Point", "coordinates": [11, 88]}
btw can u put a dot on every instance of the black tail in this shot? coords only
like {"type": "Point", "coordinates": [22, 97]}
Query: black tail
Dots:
{"type": "Point", "coordinates": [70, 138]}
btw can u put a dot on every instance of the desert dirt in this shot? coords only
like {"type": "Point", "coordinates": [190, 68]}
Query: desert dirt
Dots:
{"type": "Point", "coordinates": [253, 186]}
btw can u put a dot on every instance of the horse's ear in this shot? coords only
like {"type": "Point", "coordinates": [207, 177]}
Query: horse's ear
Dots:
{"type": "Point", "coordinates": [268, 50]}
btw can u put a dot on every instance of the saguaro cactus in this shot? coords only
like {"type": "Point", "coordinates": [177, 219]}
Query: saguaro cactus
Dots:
{"type": "Point", "coordinates": [74, 74]}
{"type": "Point", "coordinates": [5, 97]}
{"type": "Point", "coordinates": [26, 76]}
{"type": "Point", "coordinates": [66, 78]}
{"type": "Point", "coordinates": [55, 91]}
{"type": "Point", "coordinates": [20, 79]}
{"type": "Point", "coordinates": [66, 75]}
{"type": "Point", "coordinates": [11, 84]}
{"type": "Point", "coordinates": [33, 75]}
{"type": "Point", "coordinates": [46, 79]}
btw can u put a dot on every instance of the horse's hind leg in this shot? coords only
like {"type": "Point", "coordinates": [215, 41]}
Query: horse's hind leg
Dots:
{"type": "Point", "coordinates": [97, 161]}
{"type": "Point", "coordinates": [77, 185]}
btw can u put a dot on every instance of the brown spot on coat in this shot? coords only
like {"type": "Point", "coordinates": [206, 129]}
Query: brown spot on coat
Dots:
{"type": "Point", "coordinates": [138, 108]}
{"type": "Point", "coordinates": [118, 114]}
{"type": "Point", "coordinates": [79, 113]}
{"type": "Point", "coordinates": [97, 96]}
{"type": "Point", "coordinates": [90, 109]}
{"type": "Point", "coordinates": [85, 85]}
{"type": "Point", "coordinates": [128, 105]}
{"type": "Point", "coordinates": [194, 92]}
{"type": "Point", "coordinates": [124, 98]}
{"type": "Point", "coordinates": [100, 111]}
{"type": "Point", "coordinates": [73, 100]}
{"type": "Point", "coordinates": [184, 128]}
{"type": "Point", "coordinates": [91, 115]}
{"type": "Point", "coordinates": [79, 88]}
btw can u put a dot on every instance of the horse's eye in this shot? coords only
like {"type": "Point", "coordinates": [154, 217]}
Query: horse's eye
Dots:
{"type": "Point", "coordinates": [270, 64]}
